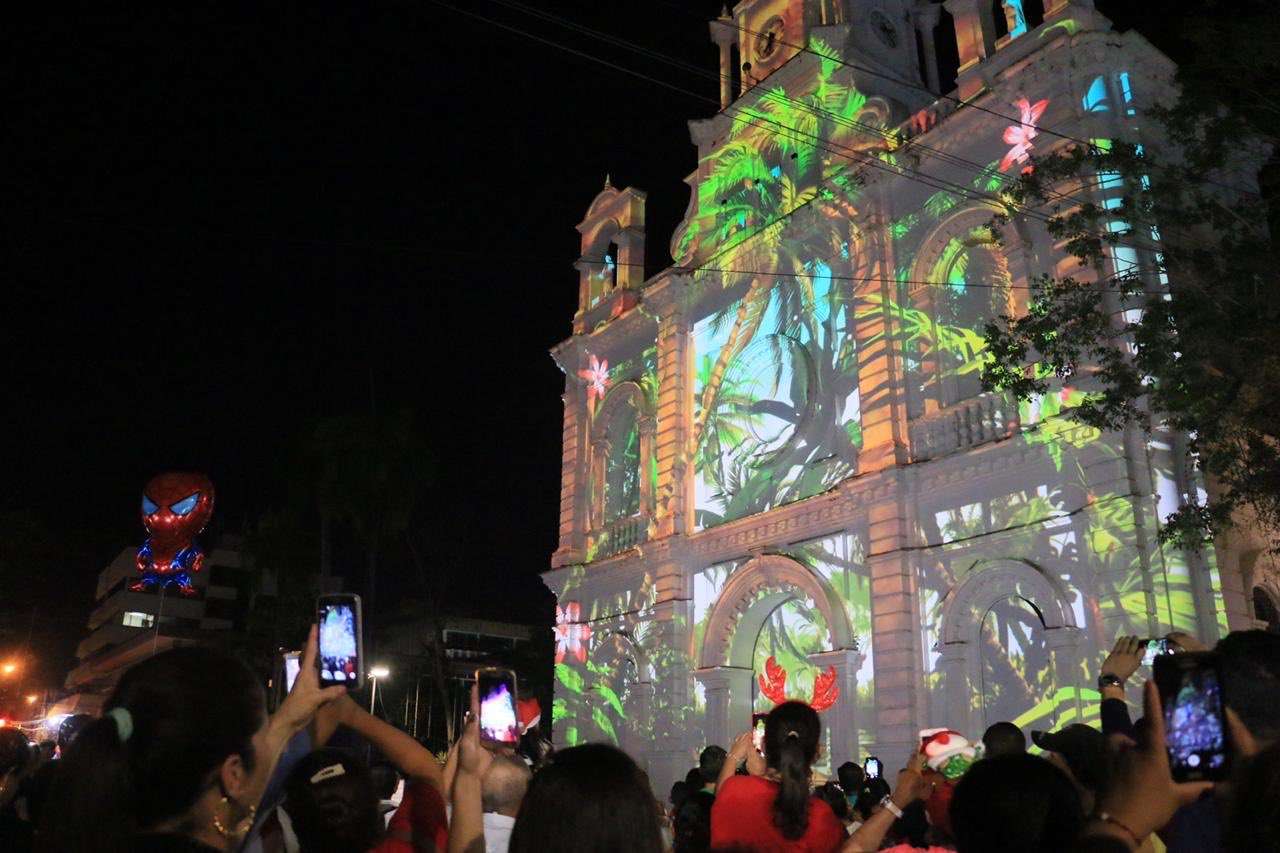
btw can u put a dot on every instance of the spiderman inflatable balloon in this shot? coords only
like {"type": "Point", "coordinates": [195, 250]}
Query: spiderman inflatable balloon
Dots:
{"type": "Point", "coordinates": [175, 508]}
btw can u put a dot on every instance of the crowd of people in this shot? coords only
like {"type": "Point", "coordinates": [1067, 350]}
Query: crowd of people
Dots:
{"type": "Point", "coordinates": [187, 758]}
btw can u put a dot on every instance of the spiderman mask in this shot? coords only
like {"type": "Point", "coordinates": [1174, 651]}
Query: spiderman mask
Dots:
{"type": "Point", "coordinates": [175, 508]}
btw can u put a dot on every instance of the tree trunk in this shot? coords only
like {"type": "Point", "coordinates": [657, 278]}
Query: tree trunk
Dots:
{"type": "Point", "coordinates": [739, 337]}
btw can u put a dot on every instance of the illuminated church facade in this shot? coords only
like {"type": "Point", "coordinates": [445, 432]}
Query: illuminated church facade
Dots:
{"type": "Point", "coordinates": [778, 461]}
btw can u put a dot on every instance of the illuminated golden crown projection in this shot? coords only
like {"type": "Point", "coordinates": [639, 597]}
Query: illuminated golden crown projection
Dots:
{"type": "Point", "coordinates": [779, 466]}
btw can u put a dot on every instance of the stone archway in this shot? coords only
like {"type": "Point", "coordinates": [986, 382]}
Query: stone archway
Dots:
{"type": "Point", "coordinates": [725, 671]}
{"type": "Point", "coordinates": [984, 585]}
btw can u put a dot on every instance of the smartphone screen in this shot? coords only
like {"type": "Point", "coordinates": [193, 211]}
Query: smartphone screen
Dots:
{"type": "Point", "coordinates": [872, 768]}
{"type": "Point", "coordinates": [497, 691]}
{"type": "Point", "coordinates": [1195, 728]}
{"type": "Point", "coordinates": [292, 663]}
{"type": "Point", "coordinates": [1155, 647]}
{"type": "Point", "coordinates": [757, 731]}
{"type": "Point", "coordinates": [340, 653]}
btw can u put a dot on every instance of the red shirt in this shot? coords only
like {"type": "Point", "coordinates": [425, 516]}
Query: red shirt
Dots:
{"type": "Point", "coordinates": [419, 824]}
{"type": "Point", "coordinates": [742, 819]}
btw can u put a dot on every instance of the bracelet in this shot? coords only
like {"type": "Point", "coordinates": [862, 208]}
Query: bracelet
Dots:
{"type": "Point", "coordinates": [890, 806]}
{"type": "Point", "coordinates": [1108, 679]}
{"type": "Point", "coordinates": [1133, 836]}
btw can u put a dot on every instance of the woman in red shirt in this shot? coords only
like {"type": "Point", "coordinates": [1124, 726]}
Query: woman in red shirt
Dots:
{"type": "Point", "coordinates": [773, 808]}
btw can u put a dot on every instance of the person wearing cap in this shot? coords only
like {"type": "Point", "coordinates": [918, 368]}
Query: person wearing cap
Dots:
{"type": "Point", "coordinates": [1080, 751]}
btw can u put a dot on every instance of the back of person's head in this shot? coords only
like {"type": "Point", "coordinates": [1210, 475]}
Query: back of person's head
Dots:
{"type": "Point", "coordinates": [15, 751]}
{"type": "Point", "coordinates": [504, 784]}
{"type": "Point", "coordinates": [866, 801]}
{"type": "Point", "coordinates": [694, 779]}
{"type": "Point", "coordinates": [71, 728]}
{"type": "Point", "coordinates": [692, 825]}
{"type": "Point", "coordinates": [386, 779]}
{"type": "Point", "coordinates": [1003, 738]}
{"type": "Point", "coordinates": [331, 801]}
{"type": "Point", "coordinates": [679, 793]}
{"type": "Point", "coordinates": [1253, 812]}
{"type": "Point", "coordinates": [833, 795]}
{"type": "Point", "coordinates": [710, 763]}
{"type": "Point", "coordinates": [1250, 665]}
{"type": "Point", "coordinates": [1084, 751]}
{"type": "Point", "coordinates": [791, 733]}
{"type": "Point", "coordinates": [1015, 803]}
{"type": "Point", "coordinates": [586, 799]}
{"type": "Point", "coordinates": [170, 726]}
{"type": "Point", "coordinates": [912, 828]}
{"type": "Point", "coordinates": [851, 777]}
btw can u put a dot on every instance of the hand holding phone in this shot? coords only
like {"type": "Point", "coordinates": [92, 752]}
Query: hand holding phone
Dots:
{"type": "Point", "coordinates": [496, 691]}
{"type": "Point", "coordinates": [1195, 725]}
{"type": "Point", "coordinates": [341, 651]}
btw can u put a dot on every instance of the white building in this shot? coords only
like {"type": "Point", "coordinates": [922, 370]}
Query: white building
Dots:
{"type": "Point", "coordinates": [778, 448]}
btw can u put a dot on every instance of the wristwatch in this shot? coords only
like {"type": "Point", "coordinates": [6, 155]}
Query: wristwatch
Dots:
{"type": "Point", "coordinates": [890, 806]}
{"type": "Point", "coordinates": [1108, 679]}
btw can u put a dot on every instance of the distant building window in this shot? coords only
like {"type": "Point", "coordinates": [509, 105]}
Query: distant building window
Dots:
{"type": "Point", "coordinates": [134, 619]}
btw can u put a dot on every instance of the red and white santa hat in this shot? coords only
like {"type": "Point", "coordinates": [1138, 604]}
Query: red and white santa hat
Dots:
{"type": "Point", "coordinates": [530, 712]}
{"type": "Point", "coordinates": [940, 745]}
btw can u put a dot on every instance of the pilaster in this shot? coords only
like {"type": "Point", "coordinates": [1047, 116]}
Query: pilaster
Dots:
{"type": "Point", "coordinates": [880, 386]}
{"type": "Point", "coordinates": [667, 300]}
{"type": "Point", "coordinates": [727, 690]}
{"type": "Point", "coordinates": [842, 718]}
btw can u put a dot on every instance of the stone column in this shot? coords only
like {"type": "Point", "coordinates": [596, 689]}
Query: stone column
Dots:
{"type": "Point", "coordinates": [880, 380]}
{"type": "Point", "coordinates": [953, 663]}
{"type": "Point", "coordinates": [725, 37]}
{"type": "Point", "coordinates": [927, 16]}
{"type": "Point", "coordinates": [1064, 653]}
{"type": "Point", "coordinates": [629, 274]}
{"type": "Point", "coordinates": [842, 718]}
{"type": "Point", "coordinates": [572, 458]}
{"type": "Point", "coordinates": [673, 510]}
{"type": "Point", "coordinates": [728, 694]}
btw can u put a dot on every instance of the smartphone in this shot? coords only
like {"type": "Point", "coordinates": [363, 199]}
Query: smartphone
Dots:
{"type": "Point", "coordinates": [1194, 720]}
{"type": "Point", "coordinates": [757, 731]}
{"type": "Point", "coordinates": [340, 656]}
{"type": "Point", "coordinates": [499, 725]}
{"type": "Point", "coordinates": [292, 663]}
{"type": "Point", "coordinates": [1155, 647]}
{"type": "Point", "coordinates": [872, 768]}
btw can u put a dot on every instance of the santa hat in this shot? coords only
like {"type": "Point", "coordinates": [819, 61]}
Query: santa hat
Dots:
{"type": "Point", "coordinates": [529, 711]}
{"type": "Point", "coordinates": [948, 752]}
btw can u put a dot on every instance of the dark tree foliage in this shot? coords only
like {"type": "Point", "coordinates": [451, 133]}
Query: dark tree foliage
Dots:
{"type": "Point", "coordinates": [1200, 355]}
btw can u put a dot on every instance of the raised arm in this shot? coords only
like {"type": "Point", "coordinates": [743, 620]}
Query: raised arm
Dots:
{"type": "Point", "coordinates": [910, 787]}
{"type": "Point", "coordinates": [413, 759]}
{"type": "Point", "coordinates": [466, 832]}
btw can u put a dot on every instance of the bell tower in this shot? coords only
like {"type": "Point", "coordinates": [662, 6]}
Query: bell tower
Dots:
{"type": "Point", "coordinates": [758, 37]}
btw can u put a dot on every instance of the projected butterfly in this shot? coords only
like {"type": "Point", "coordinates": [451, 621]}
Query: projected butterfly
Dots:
{"type": "Point", "coordinates": [773, 684]}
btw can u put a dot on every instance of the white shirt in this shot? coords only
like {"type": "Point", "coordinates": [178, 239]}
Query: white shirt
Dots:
{"type": "Point", "coordinates": [497, 832]}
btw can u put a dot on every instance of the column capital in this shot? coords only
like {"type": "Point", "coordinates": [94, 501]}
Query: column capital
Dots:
{"type": "Point", "coordinates": [721, 677]}
{"type": "Point", "coordinates": [844, 660]}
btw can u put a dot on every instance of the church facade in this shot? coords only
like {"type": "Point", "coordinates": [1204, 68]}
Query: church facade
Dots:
{"type": "Point", "coordinates": [780, 473]}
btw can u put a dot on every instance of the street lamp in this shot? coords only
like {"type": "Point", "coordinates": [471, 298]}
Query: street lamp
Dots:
{"type": "Point", "coordinates": [9, 668]}
{"type": "Point", "coordinates": [375, 673]}
{"type": "Point", "coordinates": [31, 698]}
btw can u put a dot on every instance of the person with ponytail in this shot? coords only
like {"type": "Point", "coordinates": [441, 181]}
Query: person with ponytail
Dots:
{"type": "Point", "coordinates": [773, 808]}
{"type": "Point", "coordinates": [179, 759]}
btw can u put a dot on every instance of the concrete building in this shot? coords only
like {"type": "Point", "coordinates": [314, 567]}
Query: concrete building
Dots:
{"type": "Point", "coordinates": [126, 626]}
{"type": "Point", "coordinates": [780, 474]}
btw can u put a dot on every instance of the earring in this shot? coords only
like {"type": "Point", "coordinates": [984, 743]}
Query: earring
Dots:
{"type": "Point", "coordinates": [241, 828]}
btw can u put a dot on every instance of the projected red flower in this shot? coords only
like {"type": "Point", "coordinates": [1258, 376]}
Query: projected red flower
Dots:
{"type": "Point", "coordinates": [571, 634]}
{"type": "Point", "coordinates": [773, 684]}
{"type": "Point", "coordinates": [597, 376]}
{"type": "Point", "coordinates": [1020, 135]}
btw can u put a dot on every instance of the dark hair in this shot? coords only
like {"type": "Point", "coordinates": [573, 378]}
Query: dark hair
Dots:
{"type": "Point", "coordinates": [791, 734]}
{"type": "Point", "coordinates": [679, 793]}
{"type": "Point", "coordinates": [15, 751]}
{"type": "Point", "coordinates": [588, 798]}
{"type": "Point", "coordinates": [833, 795]}
{"type": "Point", "coordinates": [1015, 803]}
{"type": "Point", "coordinates": [386, 778]}
{"type": "Point", "coordinates": [851, 777]}
{"type": "Point", "coordinates": [694, 780]}
{"type": "Point", "coordinates": [868, 798]}
{"type": "Point", "coordinates": [71, 728]}
{"type": "Point", "coordinates": [330, 798]}
{"type": "Point", "coordinates": [190, 708]}
{"type": "Point", "coordinates": [1004, 738]}
{"type": "Point", "coordinates": [710, 763]}
{"type": "Point", "coordinates": [912, 828]}
{"type": "Point", "coordinates": [691, 830]}
{"type": "Point", "coordinates": [1254, 810]}
{"type": "Point", "coordinates": [1249, 662]}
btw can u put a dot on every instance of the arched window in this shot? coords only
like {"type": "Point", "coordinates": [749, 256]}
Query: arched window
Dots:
{"type": "Point", "coordinates": [1264, 609]}
{"type": "Point", "coordinates": [972, 280]}
{"type": "Point", "coordinates": [621, 498]}
{"type": "Point", "coordinates": [604, 276]}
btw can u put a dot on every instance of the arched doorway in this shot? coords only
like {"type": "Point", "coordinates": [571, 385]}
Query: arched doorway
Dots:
{"type": "Point", "coordinates": [1016, 668]}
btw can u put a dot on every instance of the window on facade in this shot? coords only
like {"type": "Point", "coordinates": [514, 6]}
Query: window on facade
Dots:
{"type": "Point", "coordinates": [1264, 609]}
{"type": "Point", "coordinates": [622, 466]}
{"type": "Point", "coordinates": [604, 276]}
{"type": "Point", "coordinates": [135, 619]}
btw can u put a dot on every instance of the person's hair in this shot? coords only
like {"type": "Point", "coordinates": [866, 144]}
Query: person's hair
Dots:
{"type": "Point", "coordinates": [71, 728]}
{"type": "Point", "coordinates": [1253, 813]}
{"type": "Point", "coordinates": [851, 777]}
{"type": "Point", "coordinates": [15, 751]}
{"type": "Point", "coordinates": [1249, 662]}
{"type": "Point", "coordinates": [912, 828]}
{"type": "Point", "coordinates": [1004, 738]}
{"type": "Point", "coordinates": [710, 763]}
{"type": "Point", "coordinates": [331, 801]}
{"type": "Point", "coordinates": [1015, 803]}
{"type": "Point", "coordinates": [386, 778]}
{"type": "Point", "coordinates": [791, 733]}
{"type": "Point", "coordinates": [691, 829]}
{"type": "Point", "coordinates": [588, 798]}
{"type": "Point", "coordinates": [504, 783]}
{"type": "Point", "coordinates": [833, 795]}
{"type": "Point", "coordinates": [867, 800]}
{"type": "Point", "coordinates": [693, 779]}
{"type": "Point", "coordinates": [185, 711]}
{"type": "Point", "coordinates": [679, 793]}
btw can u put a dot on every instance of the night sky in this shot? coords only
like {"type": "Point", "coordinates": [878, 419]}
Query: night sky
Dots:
{"type": "Point", "coordinates": [225, 222]}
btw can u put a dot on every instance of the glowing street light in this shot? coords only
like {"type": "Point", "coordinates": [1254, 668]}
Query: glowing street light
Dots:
{"type": "Point", "coordinates": [375, 673]}
{"type": "Point", "coordinates": [31, 698]}
{"type": "Point", "coordinates": [9, 668]}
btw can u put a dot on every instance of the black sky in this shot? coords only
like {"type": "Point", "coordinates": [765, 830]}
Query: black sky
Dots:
{"type": "Point", "coordinates": [227, 221]}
